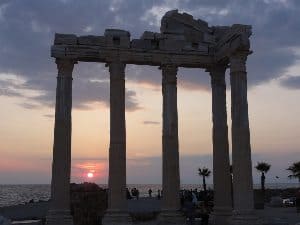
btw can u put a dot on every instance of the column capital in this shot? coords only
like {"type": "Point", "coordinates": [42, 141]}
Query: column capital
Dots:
{"type": "Point", "coordinates": [169, 73]}
{"type": "Point", "coordinates": [65, 67]}
{"type": "Point", "coordinates": [238, 61]}
{"type": "Point", "coordinates": [217, 69]}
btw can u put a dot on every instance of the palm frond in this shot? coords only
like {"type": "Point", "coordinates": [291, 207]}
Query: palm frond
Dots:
{"type": "Point", "coordinates": [263, 167]}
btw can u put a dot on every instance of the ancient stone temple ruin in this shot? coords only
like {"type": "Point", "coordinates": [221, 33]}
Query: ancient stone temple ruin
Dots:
{"type": "Point", "coordinates": [182, 42]}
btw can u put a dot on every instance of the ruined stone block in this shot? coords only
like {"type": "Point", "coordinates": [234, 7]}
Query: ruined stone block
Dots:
{"type": "Point", "coordinates": [117, 38]}
{"type": "Point", "coordinates": [207, 38]}
{"type": "Point", "coordinates": [201, 47]}
{"type": "Point", "coordinates": [65, 39]}
{"type": "Point", "coordinates": [144, 44]}
{"type": "Point", "coordinates": [171, 45]}
{"type": "Point", "coordinates": [91, 40]}
{"type": "Point", "coordinates": [147, 35]}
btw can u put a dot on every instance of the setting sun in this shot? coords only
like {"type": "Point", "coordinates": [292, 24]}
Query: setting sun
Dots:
{"type": "Point", "coordinates": [90, 175]}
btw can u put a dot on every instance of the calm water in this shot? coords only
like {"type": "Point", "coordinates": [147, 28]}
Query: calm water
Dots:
{"type": "Point", "coordinates": [19, 194]}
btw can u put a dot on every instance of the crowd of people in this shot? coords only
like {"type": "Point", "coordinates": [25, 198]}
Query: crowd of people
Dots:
{"type": "Point", "coordinates": [134, 193]}
{"type": "Point", "coordinates": [194, 203]}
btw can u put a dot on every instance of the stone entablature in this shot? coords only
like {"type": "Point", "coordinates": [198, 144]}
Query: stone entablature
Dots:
{"type": "Point", "coordinates": [183, 41]}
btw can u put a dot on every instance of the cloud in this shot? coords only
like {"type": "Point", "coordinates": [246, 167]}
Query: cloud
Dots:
{"type": "Point", "coordinates": [27, 30]}
{"type": "Point", "coordinates": [290, 82]}
{"type": "Point", "coordinates": [49, 116]}
{"type": "Point", "coordinates": [147, 122]}
{"type": "Point", "coordinates": [29, 105]}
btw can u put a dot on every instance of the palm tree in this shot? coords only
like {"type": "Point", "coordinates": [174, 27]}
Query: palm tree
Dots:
{"type": "Point", "coordinates": [204, 172]}
{"type": "Point", "coordinates": [295, 171]}
{"type": "Point", "coordinates": [263, 167]}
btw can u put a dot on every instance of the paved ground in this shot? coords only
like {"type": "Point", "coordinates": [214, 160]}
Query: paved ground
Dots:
{"type": "Point", "coordinates": [280, 215]}
{"type": "Point", "coordinates": [144, 205]}
{"type": "Point", "coordinates": [276, 216]}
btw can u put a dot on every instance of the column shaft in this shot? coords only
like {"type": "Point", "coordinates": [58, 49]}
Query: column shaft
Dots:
{"type": "Point", "coordinates": [62, 137]}
{"type": "Point", "coordinates": [221, 164]}
{"type": "Point", "coordinates": [170, 157]}
{"type": "Point", "coordinates": [59, 212]}
{"type": "Point", "coordinates": [241, 149]}
{"type": "Point", "coordinates": [117, 149]}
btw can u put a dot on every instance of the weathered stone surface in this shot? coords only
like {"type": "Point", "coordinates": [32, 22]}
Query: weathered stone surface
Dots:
{"type": "Point", "coordinates": [59, 213]}
{"type": "Point", "coordinates": [241, 148]}
{"type": "Point", "coordinates": [209, 38]}
{"type": "Point", "coordinates": [171, 178]}
{"type": "Point", "coordinates": [117, 38]}
{"type": "Point", "coordinates": [91, 40]}
{"type": "Point", "coordinates": [65, 39]}
{"type": "Point", "coordinates": [144, 44]}
{"type": "Point", "coordinates": [236, 38]}
{"type": "Point", "coordinates": [194, 59]}
{"type": "Point", "coordinates": [148, 35]}
{"type": "Point", "coordinates": [171, 45]}
{"type": "Point", "coordinates": [221, 165]}
{"type": "Point", "coordinates": [180, 33]}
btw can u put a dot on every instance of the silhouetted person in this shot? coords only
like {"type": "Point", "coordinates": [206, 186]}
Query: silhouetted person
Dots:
{"type": "Point", "coordinates": [150, 193]}
{"type": "Point", "coordinates": [128, 195]}
{"type": "Point", "coordinates": [158, 194]}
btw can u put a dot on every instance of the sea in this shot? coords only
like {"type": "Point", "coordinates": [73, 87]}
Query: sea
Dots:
{"type": "Point", "coordinates": [15, 194]}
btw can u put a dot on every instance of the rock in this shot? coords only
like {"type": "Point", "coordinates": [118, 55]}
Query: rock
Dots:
{"type": "Point", "coordinates": [4, 221]}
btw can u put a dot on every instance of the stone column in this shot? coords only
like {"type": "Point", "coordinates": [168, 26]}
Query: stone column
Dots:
{"type": "Point", "coordinates": [170, 154]}
{"type": "Point", "coordinates": [117, 202]}
{"type": "Point", "coordinates": [241, 149]}
{"type": "Point", "coordinates": [59, 213]}
{"type": "Point", "coordinates": [221, 164]}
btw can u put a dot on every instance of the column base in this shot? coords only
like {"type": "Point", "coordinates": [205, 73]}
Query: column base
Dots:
{"type": "Point", "coordinates": [171, 217]}
{"type": "Point", "coordinates": [59, 217]}
{"type": "Point", "coordinates": [222, 215]}
{"type": "Point", "coordinates": [246, 217]}
{"type": "Point", "coordinates": [116, 218]}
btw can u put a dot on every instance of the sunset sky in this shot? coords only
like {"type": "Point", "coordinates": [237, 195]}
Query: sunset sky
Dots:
{"type": "Point", "coordinates": [28, 82]}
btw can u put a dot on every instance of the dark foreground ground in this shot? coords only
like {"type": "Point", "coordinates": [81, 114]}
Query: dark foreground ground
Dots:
{"type": "Point", "coordinates": [144, 205]}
